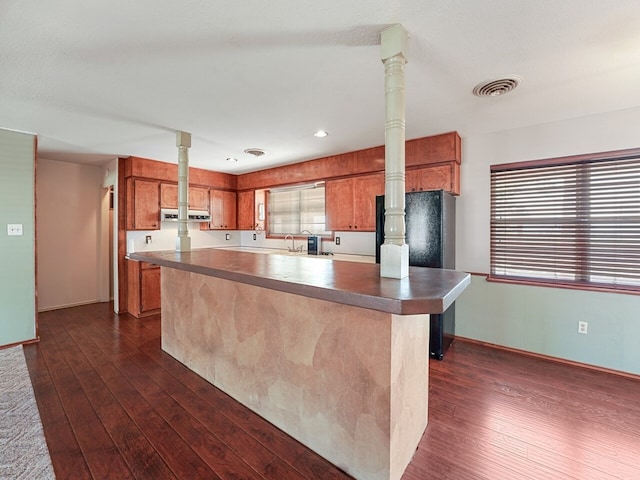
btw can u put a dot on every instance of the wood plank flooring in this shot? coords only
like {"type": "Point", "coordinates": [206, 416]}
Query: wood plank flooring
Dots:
{"type": "Point", "coordinates": [114, 406]}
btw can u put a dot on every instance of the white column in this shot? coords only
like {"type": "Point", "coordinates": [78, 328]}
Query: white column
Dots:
{"type": "Point", "coordinates": [183, 142]}
{"type": "Point", "coordinates": [394, 253]}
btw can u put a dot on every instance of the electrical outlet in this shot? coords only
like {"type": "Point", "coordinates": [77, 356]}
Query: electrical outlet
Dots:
{"type": "Point", "coordinates": [337, 240]}
{"type": "Point", "coordinates": [583, 327]}
{"type": "Point", "coordinates": [227, 236]}
{"type": "Point", "coordinates": [254, 236]}
{"type": "Point", "coordinates": [14, 229]}
{"type": "Point", "coordinates": [147, 239]}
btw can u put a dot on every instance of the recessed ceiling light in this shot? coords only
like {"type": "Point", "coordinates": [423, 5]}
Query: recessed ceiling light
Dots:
{"type": "Point", "coordinates": [256, 152]}
{"type": "Point", "coordinates": [320, 133]}
{"type": "Point", "coordinates": [232, 159]}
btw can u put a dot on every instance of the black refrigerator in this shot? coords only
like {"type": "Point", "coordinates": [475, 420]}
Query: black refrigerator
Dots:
{"type": "Point", "coordinates": [430, 219]}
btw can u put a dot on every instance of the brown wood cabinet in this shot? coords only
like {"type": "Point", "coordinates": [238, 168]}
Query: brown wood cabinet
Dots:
{"type": "Point", "coordinates": [246, 210]}
{"type": "Point", "coordinates": [143, 298]}
{"type": "Point", "coordinates": [432, 150]}
{"type": "Point", "coordinates": [168, 195]}
{"type": "Point", "coordinates": [223, 208]}
{"type": "Point", "coordinates": [143, 204]}
{"type": "Point", "coordinates": [198, 197]}
{"type": "Point", "coordinates": [437, 177]}
{"type": "Point", "coordinates": [350, 203]}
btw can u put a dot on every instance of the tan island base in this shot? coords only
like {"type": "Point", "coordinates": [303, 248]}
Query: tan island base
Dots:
{"type": "Point", "coordinates": [350, 383]}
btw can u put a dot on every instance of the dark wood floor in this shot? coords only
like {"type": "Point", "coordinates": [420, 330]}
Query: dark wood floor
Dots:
{"type": "Point", "coordinates": [114, 406]}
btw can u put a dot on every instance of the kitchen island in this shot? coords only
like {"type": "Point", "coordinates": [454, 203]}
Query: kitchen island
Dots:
{"type": "Point", "coordinates": [327, 351]}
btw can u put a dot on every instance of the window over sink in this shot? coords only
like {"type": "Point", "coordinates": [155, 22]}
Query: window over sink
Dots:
{"type": "Point", "coordinates": [297, 209]}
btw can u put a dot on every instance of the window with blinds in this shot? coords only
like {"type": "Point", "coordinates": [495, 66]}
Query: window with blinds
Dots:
{"type": "Point", "coordinates": [572, 221]}
{"type": "Point", "coordinates": [295, 210]}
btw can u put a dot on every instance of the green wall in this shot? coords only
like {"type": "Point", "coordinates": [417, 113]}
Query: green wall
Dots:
{"type": "Point", "coordinates": [17, 253]}
{"type": "Point", "coordinates": [537, 319]}
{"type": "Point", "coordinates": [545, 320]}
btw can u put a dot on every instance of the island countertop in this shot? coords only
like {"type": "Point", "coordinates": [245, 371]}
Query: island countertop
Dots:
{"type": "Point", "coordinates": [425, 290]}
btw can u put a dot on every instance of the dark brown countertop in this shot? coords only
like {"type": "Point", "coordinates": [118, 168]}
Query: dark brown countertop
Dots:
{"type": "Point", "coordinates": [425, 290]}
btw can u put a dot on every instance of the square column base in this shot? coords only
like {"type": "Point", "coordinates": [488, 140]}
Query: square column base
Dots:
{"type": "Point", "coordinates": [394, 260]}
{"type": "Point", "coordinates": [183, 244]}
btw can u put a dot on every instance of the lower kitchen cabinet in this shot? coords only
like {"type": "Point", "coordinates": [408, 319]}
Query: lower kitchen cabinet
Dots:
{"type": "Point", "coordinates": [143, 298]}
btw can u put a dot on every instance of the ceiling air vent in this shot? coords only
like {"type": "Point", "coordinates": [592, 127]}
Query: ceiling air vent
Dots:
{"type": "Point", "coordinates": [497, 87]}
{"type": "Point", "coordinates": [256, 152]}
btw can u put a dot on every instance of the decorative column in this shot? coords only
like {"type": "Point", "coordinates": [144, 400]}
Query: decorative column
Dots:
{"type": "Point", "coordinates": [394, 253]}
{"type": "Point", "coordinates": [183, 142]}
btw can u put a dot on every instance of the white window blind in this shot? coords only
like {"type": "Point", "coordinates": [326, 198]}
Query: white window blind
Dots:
{"type": "Point", "coordinates": [572, 221]}
{"type": "Point", "coordinates": [294, 210]}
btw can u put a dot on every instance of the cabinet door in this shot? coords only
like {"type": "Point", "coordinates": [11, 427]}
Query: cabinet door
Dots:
{"type": "Point", "coordinates": [168, 195]}
{"type": "Point", "coordinates": [222, 208]}
{"type": "Point", "coordinates": [198, 198]}
{"type": "Point", "coordinates": [229, 210]}
{"type": "Point", "coordinates": [365, 189]}
{"type": "Point", "coordinates": [438, 177]}
{"type": "Point", "coordinates": [146, 205]}
{"type": "Point", "coordinates": [246, 208]}
{"type": "Point", "coordinates": [338, 199]}
{"type": "Point", "coordinates": [216, 209]}
{"type": "Point", "coordinates": [149, 289]}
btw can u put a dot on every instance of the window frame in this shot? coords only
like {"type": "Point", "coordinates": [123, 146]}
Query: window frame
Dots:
{"type": "Point", "coordinates": [583, 275]}
{"type": "Point", "coordinates": [293, 188]}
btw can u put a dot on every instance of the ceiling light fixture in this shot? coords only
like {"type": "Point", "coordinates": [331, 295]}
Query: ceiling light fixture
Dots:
{"type": "Point", "coordinates": [497, 87]}
{"type": "Point", "coordinates": [256, 152]}
{"type": "Point", "coordinates": [320, 133]}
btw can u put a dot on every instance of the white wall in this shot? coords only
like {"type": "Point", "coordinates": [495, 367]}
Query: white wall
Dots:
{"type": "Point", "coordinates": [109, 225]}
{"type": "Point", "coordinates": [70, 234]}
{"type": "Point", "coordinates": [540, 319]}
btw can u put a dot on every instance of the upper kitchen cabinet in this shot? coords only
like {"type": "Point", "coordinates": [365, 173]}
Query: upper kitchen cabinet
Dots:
{"type": "Point", "coordinates": [223, 210]}
{"type": "Point", "coordinates": [198, 197]}
{"type": "Point", "coordinates": [350, 203]}
{"type": "Point", "coordinates": [143, 204]}
{"type": "Point", "coordinates": [437, 177]}
{"type": "Point", "coordinates": [246, 210]}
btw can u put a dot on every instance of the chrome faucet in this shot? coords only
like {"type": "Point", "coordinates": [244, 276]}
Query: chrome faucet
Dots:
{"type": "Point", "coordinates": [293, 242]}
{"type": "Point", "coordinates": [293, 248]}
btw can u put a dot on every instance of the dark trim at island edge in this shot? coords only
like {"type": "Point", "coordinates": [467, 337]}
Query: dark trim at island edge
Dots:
{"type": "Point", "coordinates": [425, 290]}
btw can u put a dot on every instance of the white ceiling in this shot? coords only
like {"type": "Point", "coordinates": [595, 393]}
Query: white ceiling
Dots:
{"type": "Point", "coordinates": [96, 79]}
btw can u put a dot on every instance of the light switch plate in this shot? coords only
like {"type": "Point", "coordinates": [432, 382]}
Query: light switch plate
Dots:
{"type": "Point", "coordinates": [14, 229]}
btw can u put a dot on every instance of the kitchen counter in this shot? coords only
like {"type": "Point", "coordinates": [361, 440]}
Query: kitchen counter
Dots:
{"type": "Point", "coordinates": [426, 290]}
{"type": "Point", "coordinates": [346, 257]}
{"type": "Point", "coordinates": [325, 350]}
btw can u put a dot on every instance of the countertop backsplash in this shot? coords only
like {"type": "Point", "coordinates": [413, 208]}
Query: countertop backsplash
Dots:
{"type": "Point", "coordinates": [351, 243]}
